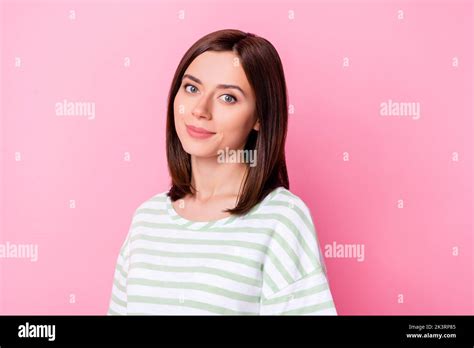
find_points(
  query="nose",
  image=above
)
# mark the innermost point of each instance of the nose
(201, 109)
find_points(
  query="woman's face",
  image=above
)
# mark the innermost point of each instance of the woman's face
(215, 96)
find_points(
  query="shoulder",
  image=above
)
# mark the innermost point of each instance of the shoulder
(290, 218)
(293, 249)
(156, 201)
(285, 195)
(288, 208)
(151, 210)
(293, 221)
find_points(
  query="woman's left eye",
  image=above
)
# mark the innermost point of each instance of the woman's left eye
(229, 98)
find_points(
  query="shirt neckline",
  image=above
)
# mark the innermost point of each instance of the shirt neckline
(176, 218)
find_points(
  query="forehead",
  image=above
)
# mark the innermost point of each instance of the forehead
(214, 68)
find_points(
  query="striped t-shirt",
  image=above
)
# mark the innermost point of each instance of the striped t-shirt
(267, 262)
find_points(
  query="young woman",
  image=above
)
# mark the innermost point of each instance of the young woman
(228, 237)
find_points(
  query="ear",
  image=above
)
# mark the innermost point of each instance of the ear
(257, 126)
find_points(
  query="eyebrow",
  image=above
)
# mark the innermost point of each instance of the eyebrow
(221, 86)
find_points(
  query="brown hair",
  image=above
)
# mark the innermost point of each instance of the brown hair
(264, 71)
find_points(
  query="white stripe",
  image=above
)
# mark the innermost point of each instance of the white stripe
(159, 309)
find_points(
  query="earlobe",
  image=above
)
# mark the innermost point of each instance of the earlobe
(257, 126)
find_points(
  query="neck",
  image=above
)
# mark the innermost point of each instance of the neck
(213, 179)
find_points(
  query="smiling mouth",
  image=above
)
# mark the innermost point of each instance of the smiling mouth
(199, 133)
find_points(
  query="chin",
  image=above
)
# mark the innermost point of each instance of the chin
(199, 150)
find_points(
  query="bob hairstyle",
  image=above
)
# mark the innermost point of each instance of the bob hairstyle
(264, 71)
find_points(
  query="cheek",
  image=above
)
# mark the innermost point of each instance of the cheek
(178, 105)
(235, 125)
(237, 120)
(178, 108)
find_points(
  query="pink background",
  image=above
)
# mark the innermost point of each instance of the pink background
(408, 251)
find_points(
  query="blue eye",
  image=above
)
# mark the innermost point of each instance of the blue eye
(188, 85)
(231, 97)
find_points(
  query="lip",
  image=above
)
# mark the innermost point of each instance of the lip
(197, 132)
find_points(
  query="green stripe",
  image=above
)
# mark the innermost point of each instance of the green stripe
(268, 280)
(231, 258)
(209, 225)
(217, 229)
(187, 224)
(119, 301)
(267, 199)
(119, 268)
(152, 211)
(195, 286)
(161, 197)
(231, 219)
(119, 286)
(186, 303)
(207, 270)
(235, 243)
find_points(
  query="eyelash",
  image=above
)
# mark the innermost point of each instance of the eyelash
(230, 95)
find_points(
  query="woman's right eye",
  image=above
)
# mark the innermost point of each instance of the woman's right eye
(190, 90)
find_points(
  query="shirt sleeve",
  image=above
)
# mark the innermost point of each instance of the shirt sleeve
(294, 274)
(118, 297)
